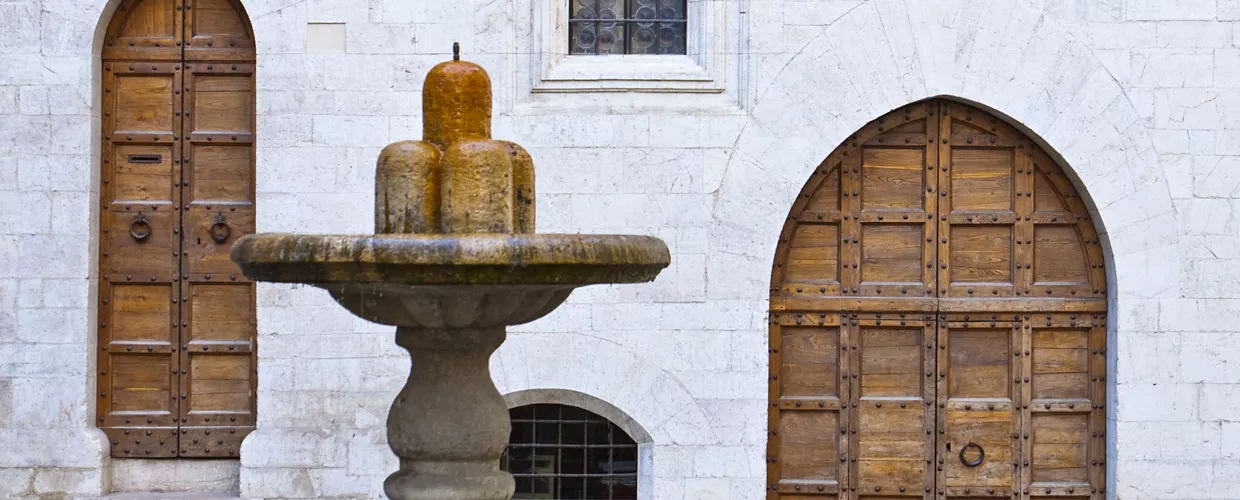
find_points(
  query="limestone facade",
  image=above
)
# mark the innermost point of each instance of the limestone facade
(1140, 98)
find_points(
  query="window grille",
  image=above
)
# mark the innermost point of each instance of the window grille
(561, 452)
(627, 27)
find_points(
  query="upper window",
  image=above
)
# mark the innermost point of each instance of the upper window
(627, 27)
(566, 453)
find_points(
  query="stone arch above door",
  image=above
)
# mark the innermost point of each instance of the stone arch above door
(938, 283)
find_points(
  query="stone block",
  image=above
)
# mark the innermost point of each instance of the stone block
(68, 481)
(9, 100)
(1157, 10)
(33, 100)
(1172, 67)
(71, 213)
(47, 402)
(142, 476)
(1187, 108)
(1122, 35)
(1210, 358)
(1148, 357)
(1220, 402)
(355, 131)
(20, 21)
(66, 293)
(260, 482)
(25, 212)
(1176, 402)
(1193, 34)
(325, 38)
(712, 488)
(721, 462)
(52, 326)
(16, 482)
(291, 448)
(1162, 479)
(1231, 440)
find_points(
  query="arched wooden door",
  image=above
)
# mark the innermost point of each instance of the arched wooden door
(176, 317)
(938, 320)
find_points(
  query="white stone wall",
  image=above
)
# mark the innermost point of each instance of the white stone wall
(1140, 97)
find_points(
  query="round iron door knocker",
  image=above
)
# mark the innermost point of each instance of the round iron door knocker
(140, 228)
(220, 231)
(981, 455)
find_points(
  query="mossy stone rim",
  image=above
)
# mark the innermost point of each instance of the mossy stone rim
(436, 259)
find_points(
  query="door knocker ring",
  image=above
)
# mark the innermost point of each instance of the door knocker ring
(981, 455)
(220, 231)
(140, 228)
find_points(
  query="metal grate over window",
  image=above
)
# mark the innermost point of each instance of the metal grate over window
(627, 26)
(564, 453)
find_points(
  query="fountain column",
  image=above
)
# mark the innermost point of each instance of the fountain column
(440, 459)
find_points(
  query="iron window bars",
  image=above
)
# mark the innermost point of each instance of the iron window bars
(602, 27)
(566, 453)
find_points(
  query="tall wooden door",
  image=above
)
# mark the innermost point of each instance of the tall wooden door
(938, 318)
(176, 317)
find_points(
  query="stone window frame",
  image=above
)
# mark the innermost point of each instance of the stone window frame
(702, 70)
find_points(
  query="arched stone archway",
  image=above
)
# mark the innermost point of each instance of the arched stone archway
(1020, 65)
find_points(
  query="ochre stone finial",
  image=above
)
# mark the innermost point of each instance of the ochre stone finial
(456, 180)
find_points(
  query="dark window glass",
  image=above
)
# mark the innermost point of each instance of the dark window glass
(560, 452)
(627, 27)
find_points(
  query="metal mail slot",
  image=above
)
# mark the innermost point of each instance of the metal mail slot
(146, 158)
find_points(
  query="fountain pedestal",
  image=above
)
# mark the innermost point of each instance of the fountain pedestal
(445, 459)
(454, 263)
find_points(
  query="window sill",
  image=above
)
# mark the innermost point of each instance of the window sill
(627, 73)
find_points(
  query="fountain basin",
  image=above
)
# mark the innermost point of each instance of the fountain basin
(451, 281)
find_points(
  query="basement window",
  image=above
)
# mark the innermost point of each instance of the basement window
(566, 453)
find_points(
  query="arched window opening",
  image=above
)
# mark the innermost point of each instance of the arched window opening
(562, 452)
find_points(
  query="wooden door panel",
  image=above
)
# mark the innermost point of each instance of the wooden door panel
(145, 103)
(938, 207)
(223, 102)
(979, 410)
(144, 30)
(893, 178)
(1055, 259)
(1066, 428)
(809, 388)
(982, 180)
(893, 411)
(979, 366)
(218, 30)
(205, 255)
(221, 313)
(981, 255)
(137, 383)
(130, 256)
(143, 173)
(226, 174)
(892, 254)
(814, 255)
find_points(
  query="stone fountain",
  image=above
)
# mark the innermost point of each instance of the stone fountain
(455, 261)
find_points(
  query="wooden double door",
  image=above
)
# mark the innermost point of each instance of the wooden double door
(176, 359)
(938, 320)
